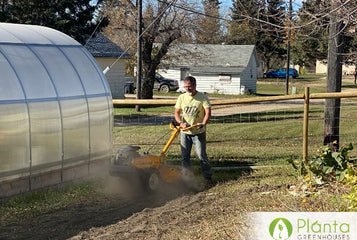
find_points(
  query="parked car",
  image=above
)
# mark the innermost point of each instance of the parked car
(165, 85)
(161, 84)
(281, 73)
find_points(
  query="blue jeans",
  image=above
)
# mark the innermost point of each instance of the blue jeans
(199, 142)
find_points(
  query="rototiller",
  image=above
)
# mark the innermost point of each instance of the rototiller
(150, 169)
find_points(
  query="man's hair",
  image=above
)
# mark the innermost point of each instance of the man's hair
(190, 79)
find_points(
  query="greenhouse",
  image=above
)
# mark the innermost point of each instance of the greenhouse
(56, 112)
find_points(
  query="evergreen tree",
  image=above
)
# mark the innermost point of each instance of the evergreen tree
(311, 40)
(3, 10)
(261, 23)
(209, 26)
(241, 29)
(73, 17)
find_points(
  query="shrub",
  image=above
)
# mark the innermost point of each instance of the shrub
(329, 165)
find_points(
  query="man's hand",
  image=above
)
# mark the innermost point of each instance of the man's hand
(200, 125)
(183, 125)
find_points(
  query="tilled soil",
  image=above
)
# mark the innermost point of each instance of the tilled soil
(175, 212)
(113, 213)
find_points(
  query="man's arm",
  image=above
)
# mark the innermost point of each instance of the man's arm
(207, 116)
(178, 114)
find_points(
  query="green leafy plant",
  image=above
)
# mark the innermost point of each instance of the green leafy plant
(299, 167)
(330, 165)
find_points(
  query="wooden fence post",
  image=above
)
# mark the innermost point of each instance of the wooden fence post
(305, 136)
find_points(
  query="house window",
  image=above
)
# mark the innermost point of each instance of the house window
(225, 78)
(184, 72)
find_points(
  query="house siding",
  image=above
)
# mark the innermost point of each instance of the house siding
(249, 76)
(106, 53)
(237, 61)
(321, 68)
(170, 73)
(207, 83)
(211, 84)
(116, 76)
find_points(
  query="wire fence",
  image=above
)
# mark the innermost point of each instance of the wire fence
(269, 126)
(232, 117)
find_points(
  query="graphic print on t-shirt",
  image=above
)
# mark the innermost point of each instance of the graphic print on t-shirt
(191, 111)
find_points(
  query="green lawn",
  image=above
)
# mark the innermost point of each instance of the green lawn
(252, 137)
(276, 86)
(277, 136)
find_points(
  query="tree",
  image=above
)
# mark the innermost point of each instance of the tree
(122, 23)
(312, 31)
(270, 41)
(241, 30)
(209, 26)
(163, 26)
(321, 24)
(163, 23)
(334, 81)
(329, 24)
(311, 38)
(3, 10)
(261, 23)
(73, 17)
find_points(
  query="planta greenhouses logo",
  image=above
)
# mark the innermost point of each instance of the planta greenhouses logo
(280, 229)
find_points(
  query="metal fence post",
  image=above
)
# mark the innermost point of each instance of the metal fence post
(306, 124)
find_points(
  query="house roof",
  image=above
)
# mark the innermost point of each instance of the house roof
(211, 58)
(101, 46)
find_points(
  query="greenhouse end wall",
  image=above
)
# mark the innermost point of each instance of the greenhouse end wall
(56, 112)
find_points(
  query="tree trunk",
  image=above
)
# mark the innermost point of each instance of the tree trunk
(147, 89)
(334, 79)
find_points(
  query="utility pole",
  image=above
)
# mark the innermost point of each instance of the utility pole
(139, 51)
(288, 49)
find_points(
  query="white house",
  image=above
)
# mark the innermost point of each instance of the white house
(226, 69)
(321, 67)
(108, 53)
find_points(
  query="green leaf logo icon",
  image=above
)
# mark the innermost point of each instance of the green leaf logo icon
(280, 229)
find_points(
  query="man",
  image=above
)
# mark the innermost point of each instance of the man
(193, 107)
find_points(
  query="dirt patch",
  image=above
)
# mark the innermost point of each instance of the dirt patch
(155, 223)
(176, 212)
(118, 201)
(218, 212)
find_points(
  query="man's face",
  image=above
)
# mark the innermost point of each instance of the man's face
(190, 87)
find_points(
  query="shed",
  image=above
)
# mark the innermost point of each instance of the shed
(56, 113)
(107, 53)
(226, 69)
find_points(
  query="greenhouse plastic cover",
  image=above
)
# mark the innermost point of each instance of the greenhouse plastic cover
(55, 103)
